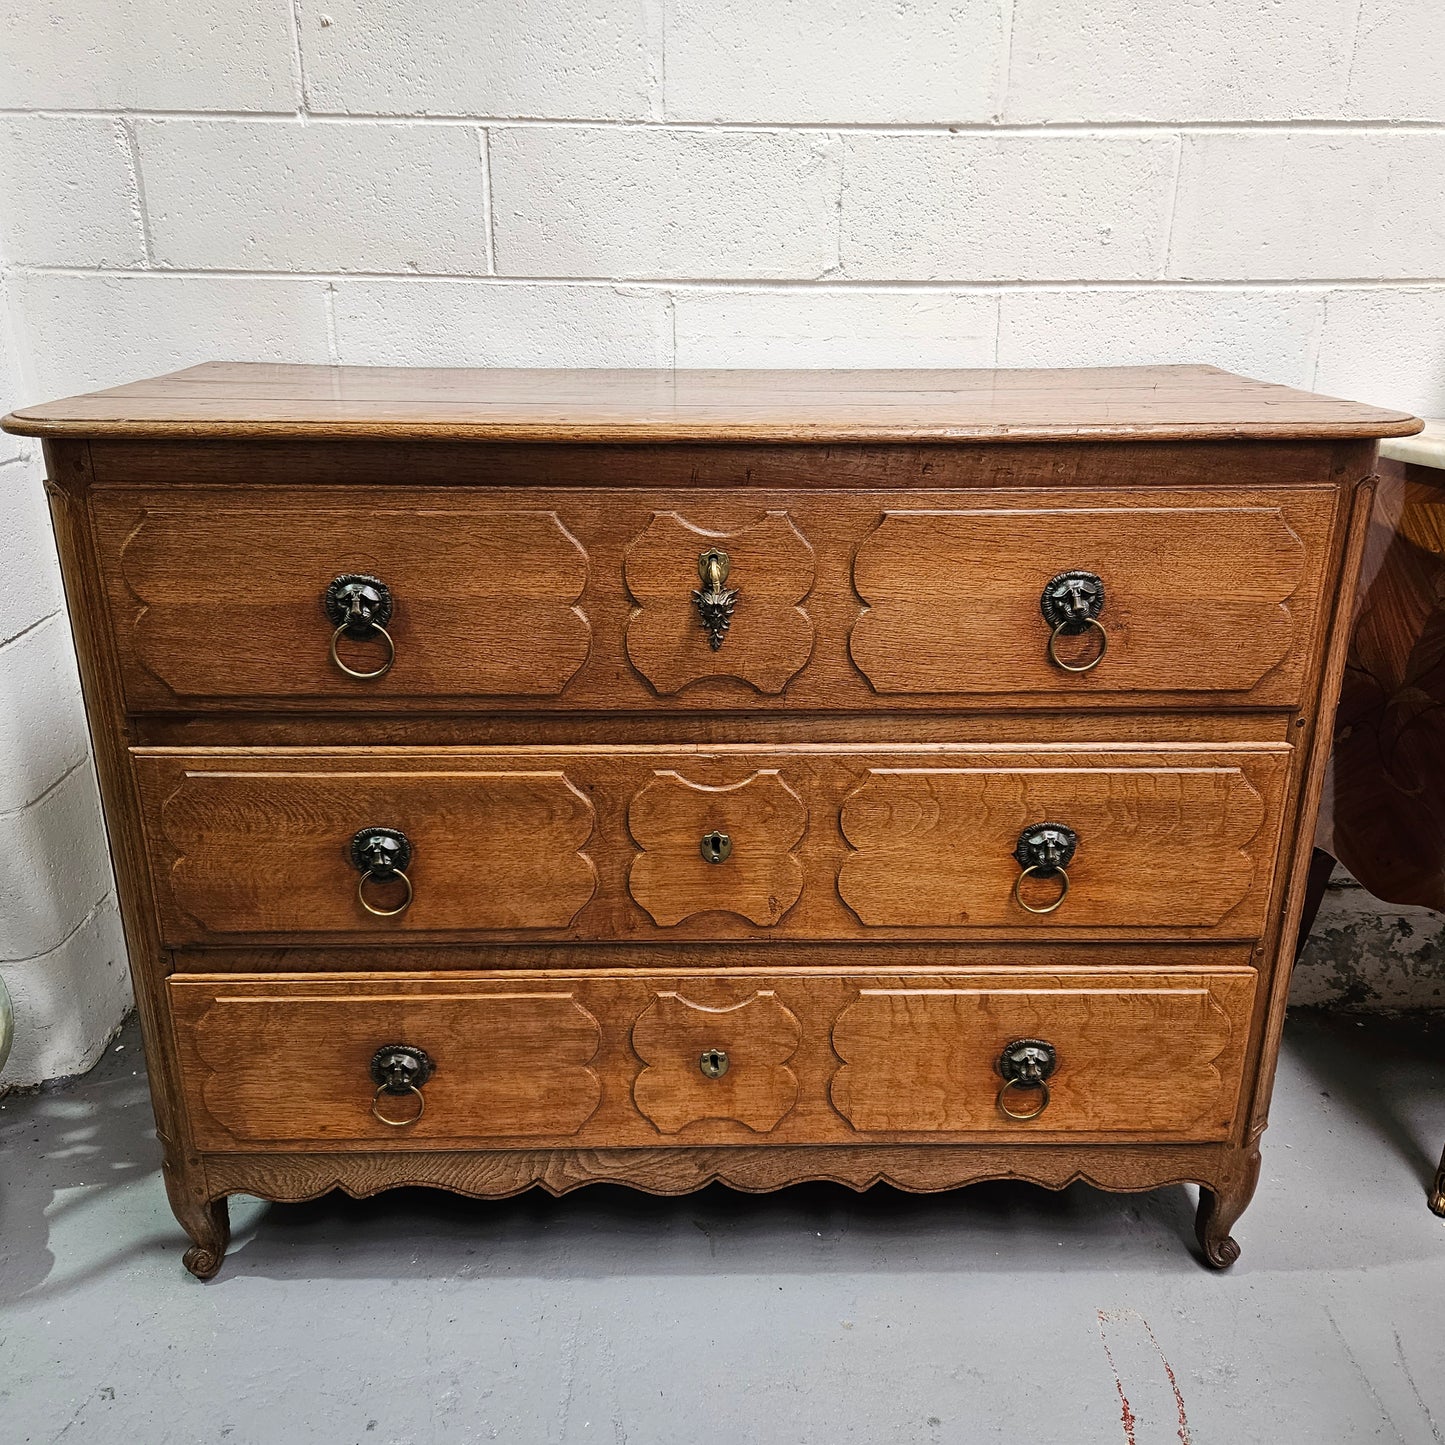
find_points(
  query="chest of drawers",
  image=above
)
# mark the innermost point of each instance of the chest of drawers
(526, 778)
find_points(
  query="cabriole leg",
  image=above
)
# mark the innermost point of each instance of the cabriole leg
(209, 1224)
(207, 1221)
(1220, 1205)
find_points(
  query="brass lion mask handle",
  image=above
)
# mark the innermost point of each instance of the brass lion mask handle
(714, 601)
(381, 856)
(1026, 1066)
(359, 607)
(399, 1071)
(1045, 850)
(1071, 603)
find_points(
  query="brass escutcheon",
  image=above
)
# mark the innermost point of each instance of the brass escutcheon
(713, 601)
(715, 847)
(714, 1063)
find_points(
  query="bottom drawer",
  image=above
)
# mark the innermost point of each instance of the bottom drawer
(639, 1058)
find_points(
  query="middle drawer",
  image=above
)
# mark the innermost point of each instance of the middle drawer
(809, 841)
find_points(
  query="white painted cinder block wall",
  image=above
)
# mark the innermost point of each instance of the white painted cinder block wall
(658, 183)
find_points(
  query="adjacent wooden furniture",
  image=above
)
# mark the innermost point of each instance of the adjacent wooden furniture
(1384, 815)
(541, 777)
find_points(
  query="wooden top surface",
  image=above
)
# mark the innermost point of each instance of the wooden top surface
(1164, 403)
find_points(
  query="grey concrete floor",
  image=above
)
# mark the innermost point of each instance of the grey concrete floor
(1002, 1312)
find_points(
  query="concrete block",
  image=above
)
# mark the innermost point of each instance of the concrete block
(148, 55)
(1113, 60)
(68, 1002)
(42, 721)
(69, 193)
(103, 330)
(870, 61)
(573, 201)
(969, 207)
(30, 574)
(268, 195)
(1266, 334)
(1398, 71)
(1278, 206)
(488, 323)
(57, 866)
(1383, 345)
(569, 59)
(11, 447)
(835, 328)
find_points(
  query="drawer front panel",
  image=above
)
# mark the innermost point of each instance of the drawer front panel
(652, 844)
(1194, 599)
(231, 600)
(824, 601)
(639, 1058)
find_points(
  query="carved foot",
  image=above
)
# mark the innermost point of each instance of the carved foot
(1212, 1225)
(1219, 1209)
(210, 1226)
(1437, 1190)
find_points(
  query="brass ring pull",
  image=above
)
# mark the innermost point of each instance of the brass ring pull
(1008, 1084)
(381, 671)
(1035, 868)
(406, 1089)
(384, 878)
(1026, 1064)
(1094, 661)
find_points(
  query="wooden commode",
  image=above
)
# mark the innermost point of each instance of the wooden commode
(545, 777)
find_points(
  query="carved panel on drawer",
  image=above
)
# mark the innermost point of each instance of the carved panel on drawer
(759, 879)
(1158, 846)
(747, 1045)
(264, 851)
(771, 635)
(277, 1068)
(1195, 599)
(1165, 1058)
(231, 600)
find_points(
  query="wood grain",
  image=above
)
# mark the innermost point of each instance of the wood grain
(489, 633)
(245, 1082)
(771, 636)
(759, 1036)
(1166, 1058)
(278, 1067)
(1176, 846)
(186, 514)
(830, 841)
(221, 399)
(227, 600)
(270, 852)
(756, 1169)
(1384, 821)
(1194, 599)
(760, 880)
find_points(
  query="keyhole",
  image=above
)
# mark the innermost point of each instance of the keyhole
(714, 1063)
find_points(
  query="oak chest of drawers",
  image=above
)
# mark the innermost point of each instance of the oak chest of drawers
(536, 778)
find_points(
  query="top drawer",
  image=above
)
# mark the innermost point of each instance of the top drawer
(831, 601)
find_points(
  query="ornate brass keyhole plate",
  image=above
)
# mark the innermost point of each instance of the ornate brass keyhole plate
(715, 847)
(714, 1063)
(713, 601)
